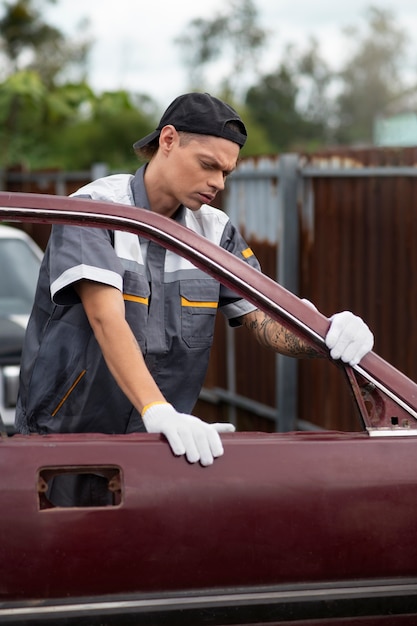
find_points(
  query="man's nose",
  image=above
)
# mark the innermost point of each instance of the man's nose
(217, 181)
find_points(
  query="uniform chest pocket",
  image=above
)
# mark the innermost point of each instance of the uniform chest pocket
(199, 304)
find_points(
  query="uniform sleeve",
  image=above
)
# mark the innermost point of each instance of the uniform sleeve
(78, 253)
(230, 304)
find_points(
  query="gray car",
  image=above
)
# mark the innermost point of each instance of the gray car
(20, 259)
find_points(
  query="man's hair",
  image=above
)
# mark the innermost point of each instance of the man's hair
(148, 151)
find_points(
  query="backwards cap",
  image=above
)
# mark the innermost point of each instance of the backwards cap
(199, 113)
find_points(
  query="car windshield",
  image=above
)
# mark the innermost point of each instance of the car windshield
(18, 276)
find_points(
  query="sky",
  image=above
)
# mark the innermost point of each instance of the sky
(134, 45)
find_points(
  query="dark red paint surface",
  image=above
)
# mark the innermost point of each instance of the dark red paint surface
(280, 508)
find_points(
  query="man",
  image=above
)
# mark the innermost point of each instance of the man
(121, 330)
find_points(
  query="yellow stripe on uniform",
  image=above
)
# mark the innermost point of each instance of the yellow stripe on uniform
(247, 253)
(128, 296)
(199, 303)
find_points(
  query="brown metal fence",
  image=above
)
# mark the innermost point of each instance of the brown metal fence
(357, 218)
(360, 253)
(354, 247)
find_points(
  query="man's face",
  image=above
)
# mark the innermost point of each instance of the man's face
(197, 168)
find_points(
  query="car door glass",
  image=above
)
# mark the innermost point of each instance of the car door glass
(18, 277)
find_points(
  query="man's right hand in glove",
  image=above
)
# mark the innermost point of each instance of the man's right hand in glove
(186, 434)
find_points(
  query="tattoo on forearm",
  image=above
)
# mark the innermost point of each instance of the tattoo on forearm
(272, 334)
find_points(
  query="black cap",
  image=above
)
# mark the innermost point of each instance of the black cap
(202, 114)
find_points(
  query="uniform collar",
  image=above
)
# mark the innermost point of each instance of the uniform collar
(140, 196)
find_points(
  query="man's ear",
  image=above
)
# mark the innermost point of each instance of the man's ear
(168, 137)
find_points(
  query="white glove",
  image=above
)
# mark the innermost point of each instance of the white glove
(186, 434)
(348, 338)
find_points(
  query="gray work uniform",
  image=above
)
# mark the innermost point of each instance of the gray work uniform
(170, 307)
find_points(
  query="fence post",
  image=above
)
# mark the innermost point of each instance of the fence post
(99, 170)
(287, 275)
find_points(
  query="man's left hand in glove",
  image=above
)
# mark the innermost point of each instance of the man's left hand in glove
(348, 338)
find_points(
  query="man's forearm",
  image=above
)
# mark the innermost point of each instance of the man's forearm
(272, 334)
(104, 307)
(125, 361)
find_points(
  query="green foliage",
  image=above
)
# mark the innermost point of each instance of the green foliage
(31, 114)
(105, 135)
(291, 111)
(22, 98)
(68, 126)
(48, 123)
(272, 104)
(48, 120)
(29, 43)
(258, 142)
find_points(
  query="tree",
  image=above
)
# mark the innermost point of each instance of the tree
(372, 76)
(105, 132)
(46, 121)
(292, 103)
(234, 35)
(27, 42)
(33, 101)
(22, 98)
(314, 100)
(32, 116)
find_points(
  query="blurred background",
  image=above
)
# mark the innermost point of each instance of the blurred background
(80, 81)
